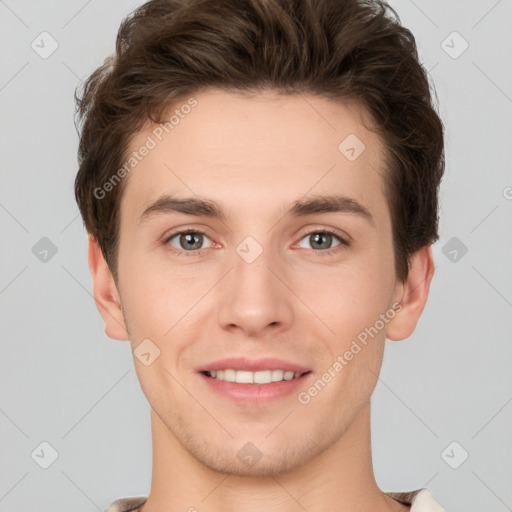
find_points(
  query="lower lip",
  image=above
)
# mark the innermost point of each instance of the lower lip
(255, 393)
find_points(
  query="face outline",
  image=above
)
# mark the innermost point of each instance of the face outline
(292, 302)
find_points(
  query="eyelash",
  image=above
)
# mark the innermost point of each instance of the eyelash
(320, 252)
(326, 231)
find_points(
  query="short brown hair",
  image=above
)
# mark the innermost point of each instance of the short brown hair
(346, 50)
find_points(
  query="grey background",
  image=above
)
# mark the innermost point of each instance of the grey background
(65, 383)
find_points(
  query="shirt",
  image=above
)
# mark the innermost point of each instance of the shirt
(420, 500)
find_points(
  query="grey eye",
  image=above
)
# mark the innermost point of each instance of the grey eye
(320, 241)
(191, 241)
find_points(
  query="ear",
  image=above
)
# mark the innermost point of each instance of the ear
(412, 294)
(106, 295)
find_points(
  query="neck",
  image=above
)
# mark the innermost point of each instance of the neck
(340, 478)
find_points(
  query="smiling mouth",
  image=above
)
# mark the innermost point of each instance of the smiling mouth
(248, 377)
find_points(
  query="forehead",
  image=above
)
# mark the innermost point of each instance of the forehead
(237, 148)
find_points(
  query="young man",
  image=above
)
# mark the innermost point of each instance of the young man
(259, 182)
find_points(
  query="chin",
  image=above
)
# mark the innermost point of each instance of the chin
(258, 459)
(265, 467)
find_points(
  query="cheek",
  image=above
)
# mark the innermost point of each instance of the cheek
(348, 298)
(151, 290)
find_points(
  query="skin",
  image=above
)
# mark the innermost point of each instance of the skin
(255, 156)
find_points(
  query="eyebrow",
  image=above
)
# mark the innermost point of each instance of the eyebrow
(301, 207)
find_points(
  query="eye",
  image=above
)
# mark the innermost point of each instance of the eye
(188, 240)
(191, 241)
(322, 240)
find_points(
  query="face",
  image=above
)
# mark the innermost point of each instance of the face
(286, 261)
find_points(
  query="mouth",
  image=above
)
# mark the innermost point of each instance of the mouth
(254, 382)
(249, 377)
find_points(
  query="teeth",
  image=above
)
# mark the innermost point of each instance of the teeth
(243, 377)
(230, 375)
(247, 377)
(277, 375)
(263, 377)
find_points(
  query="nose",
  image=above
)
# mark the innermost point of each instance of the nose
(254, 299)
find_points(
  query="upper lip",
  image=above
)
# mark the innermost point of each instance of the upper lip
(253, 365)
